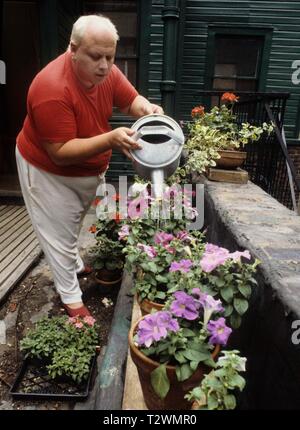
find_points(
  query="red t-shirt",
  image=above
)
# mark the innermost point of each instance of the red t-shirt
(59, 109)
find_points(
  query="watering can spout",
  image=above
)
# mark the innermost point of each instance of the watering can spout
(157, 179)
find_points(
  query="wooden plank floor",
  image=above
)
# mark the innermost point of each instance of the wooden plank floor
(19, 247)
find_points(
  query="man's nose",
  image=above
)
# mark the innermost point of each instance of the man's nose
(103, 64)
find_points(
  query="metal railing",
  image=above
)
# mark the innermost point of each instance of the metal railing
(268, 162)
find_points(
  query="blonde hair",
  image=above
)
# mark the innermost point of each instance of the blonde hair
(81, 25)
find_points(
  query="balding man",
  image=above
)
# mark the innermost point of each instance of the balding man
(65, 145)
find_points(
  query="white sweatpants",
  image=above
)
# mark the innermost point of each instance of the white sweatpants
(56, 206)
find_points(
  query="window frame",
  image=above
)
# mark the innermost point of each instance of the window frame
(231, 30)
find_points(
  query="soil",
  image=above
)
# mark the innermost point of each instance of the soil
(32, 299)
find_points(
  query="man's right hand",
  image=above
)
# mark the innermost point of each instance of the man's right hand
(121, 139)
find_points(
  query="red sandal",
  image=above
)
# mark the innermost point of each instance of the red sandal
(78, 312)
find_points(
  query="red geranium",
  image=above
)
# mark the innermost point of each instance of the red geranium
(229, 98)
(197, 111)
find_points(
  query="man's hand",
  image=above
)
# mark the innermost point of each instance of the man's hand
(141, 107)
(120, 139)
(150, 108)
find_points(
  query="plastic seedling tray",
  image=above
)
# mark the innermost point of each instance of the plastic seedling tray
(33, 383)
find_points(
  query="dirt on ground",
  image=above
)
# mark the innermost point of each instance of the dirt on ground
(34, 298)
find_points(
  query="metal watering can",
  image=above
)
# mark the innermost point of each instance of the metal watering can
(162, 140)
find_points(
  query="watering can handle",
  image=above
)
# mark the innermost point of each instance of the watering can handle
(159, 129)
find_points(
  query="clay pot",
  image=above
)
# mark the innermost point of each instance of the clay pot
(175, 398)
(107, 277)
(231, 159)
(147, 306)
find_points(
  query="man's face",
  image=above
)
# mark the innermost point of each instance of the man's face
(94, 58)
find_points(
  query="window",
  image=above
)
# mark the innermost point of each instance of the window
(123, 14)
(237, 58)
(237, 62)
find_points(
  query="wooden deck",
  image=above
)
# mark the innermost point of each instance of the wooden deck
(19, 247)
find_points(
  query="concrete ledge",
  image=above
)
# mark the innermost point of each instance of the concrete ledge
(271, 232)
(245, 217)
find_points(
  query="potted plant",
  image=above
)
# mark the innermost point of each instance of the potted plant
(65, 345)
(107, 260)
(173, 348)
(217, 390)
(154, 264)
(107, 256)
(225, 275)
(215, 137)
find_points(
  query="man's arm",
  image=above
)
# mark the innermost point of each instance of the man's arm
(77, 150)
(140, 107)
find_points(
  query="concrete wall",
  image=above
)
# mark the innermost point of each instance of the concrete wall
(245, 217)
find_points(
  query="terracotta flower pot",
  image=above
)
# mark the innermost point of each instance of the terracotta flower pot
(175, 398)
(231, 159)
(147, 306)
(107, 277)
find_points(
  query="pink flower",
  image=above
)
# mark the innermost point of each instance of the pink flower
(209, 262)
(124, 232)
(182, 266)
(149, 250)
(89, 321)
(78, 325)
(213, 257)
(163, 238)
(236, 256)
(138, 207)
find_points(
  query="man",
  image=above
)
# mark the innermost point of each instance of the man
(65, 145)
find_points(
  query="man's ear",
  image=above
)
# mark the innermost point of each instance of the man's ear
(73, 47)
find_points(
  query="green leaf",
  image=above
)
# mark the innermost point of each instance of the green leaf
(160, 295)
(194, 365)
(228, 310)
(227, 294)
(161, 279)
(237, 381)
(235, 320)
(240, 305)
(229, 401)
(183, 372)
(245, 290)
(188, 333)
(212, 402)
(152, 267)
(180, 357)
(220, 282)
(194, 355)
(160, 381)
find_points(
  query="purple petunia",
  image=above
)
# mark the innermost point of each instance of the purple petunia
(156, 326)
(236, 256)
(163, 238)
(213, 257)
(149, 250)
(219, 332)
(124, 232)
(184, 306)
(183, 236)
(182, 266)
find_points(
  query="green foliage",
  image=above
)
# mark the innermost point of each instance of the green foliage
(214, 131)
(217, 389)
(153, 280)
(67, 347)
